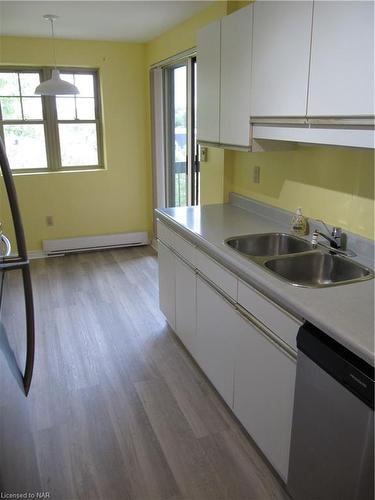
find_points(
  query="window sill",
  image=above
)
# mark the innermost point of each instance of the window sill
(19, 173)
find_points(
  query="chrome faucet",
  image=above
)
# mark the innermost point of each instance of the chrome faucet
(335, 237)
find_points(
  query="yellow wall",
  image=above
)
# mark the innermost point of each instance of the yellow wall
(183, 36)
(334, 184)
(98, 202)
(212, 177)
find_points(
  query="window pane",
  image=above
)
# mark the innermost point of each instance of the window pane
(85, 108)
(178, 144)
(66, 109)
(25, 145)
(29, 81)
(85, 84)
(11, 108)
(9, 84)
(32, 108)
(78, 144)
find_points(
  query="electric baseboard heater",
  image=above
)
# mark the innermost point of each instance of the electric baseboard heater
(91, 243)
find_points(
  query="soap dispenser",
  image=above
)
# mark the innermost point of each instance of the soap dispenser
(299, 223)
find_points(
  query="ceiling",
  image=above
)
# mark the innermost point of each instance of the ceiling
(130, 21)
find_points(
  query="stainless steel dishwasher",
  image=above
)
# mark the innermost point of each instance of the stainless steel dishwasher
(332, 443)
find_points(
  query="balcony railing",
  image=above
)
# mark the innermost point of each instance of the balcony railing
(180, 180)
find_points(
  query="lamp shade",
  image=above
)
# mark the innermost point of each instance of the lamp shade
(56, 86)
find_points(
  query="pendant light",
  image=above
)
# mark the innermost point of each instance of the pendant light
(55, 86)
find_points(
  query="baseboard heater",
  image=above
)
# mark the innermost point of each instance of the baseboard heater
(101, 242)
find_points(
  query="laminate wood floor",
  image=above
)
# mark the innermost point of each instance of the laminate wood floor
(117, 409)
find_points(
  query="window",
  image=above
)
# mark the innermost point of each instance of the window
(50, 133)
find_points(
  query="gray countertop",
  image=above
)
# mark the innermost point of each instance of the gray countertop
(344, 312)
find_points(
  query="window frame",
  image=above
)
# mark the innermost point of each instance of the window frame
(51, 122)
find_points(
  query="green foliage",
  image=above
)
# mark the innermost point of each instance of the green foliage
(180, 117)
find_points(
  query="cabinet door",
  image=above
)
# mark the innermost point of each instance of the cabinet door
(342, 59)
(215, 342)
(264, 394)
(186, 305)
(167, 284)
(208, 82)
(235, 77)
(281, 52)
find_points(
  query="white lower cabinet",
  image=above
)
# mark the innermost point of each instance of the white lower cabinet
(167, 283)
(186, 305)
(251, 367)
(264, 393)
(217, 321)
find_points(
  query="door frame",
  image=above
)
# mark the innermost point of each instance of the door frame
(192, 165)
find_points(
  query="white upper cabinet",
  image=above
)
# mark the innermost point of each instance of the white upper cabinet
(342, 59)
(235, 77)
(208, 82)
(281, 50)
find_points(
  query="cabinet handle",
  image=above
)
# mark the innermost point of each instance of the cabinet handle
(220, 292)
(267, 333)
(182, 259)
(292, 316)
(263, 329)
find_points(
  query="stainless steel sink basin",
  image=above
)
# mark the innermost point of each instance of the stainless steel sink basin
(318, 269)
(268, 244)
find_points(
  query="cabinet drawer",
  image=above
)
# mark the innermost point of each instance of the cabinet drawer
(165, 234)
(185, 249)
(217, 274)
(283, 324)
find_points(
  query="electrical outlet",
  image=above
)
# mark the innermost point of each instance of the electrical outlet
(256, 175)
(49, 220)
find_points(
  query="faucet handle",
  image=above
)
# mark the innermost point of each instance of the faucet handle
(338, 236)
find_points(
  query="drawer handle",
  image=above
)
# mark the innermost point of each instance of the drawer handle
(216, 289)
(179, 256)
(267, 333)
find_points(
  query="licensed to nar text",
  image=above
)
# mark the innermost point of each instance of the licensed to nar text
(27, 495)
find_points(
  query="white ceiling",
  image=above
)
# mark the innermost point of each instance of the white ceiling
(122, 20)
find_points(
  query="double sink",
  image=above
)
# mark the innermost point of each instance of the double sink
(295, 260)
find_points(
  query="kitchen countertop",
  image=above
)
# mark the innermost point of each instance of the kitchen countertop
(344, 312)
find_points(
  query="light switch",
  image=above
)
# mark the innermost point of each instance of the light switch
(203, 153)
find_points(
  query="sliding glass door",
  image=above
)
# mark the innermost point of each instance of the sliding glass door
(182, 169)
